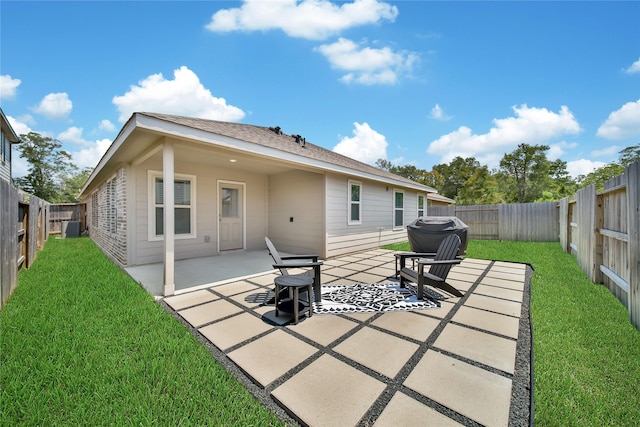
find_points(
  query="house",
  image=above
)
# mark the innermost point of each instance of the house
(234, 184)
(9, 137)
(435, 199)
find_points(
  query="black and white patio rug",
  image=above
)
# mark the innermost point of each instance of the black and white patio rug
(362, 298)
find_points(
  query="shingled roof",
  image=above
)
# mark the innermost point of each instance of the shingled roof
(273, 137)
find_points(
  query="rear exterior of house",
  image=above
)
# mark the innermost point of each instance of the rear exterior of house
(234, 184)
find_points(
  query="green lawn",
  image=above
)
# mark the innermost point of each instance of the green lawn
(83, 344)
(586, 353)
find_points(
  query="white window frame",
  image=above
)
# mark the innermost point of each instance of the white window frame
(395, 209)
(424, 205)
(350, 203)
(151, 209)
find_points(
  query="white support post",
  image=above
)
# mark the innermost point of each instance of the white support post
(168, 178)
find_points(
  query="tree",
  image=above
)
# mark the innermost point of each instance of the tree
(627, 156)
(525, 171)
(455, 175)
(480, 189)
(71, 186)
(49, 166)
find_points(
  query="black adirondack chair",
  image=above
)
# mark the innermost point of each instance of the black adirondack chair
(440, 265)
(310, 262)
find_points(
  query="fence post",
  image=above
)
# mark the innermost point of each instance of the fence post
(633, 246)
(597, 238)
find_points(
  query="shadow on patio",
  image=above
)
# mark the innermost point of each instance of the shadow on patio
(466, 362)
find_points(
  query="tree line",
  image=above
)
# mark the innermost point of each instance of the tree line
(524, 175)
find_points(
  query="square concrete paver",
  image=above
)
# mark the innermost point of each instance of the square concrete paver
(402, 410)
(209, 312)
(367, 278)
(234, 288)
(190, 299)
(329, 393)
(253, 298)
(479, 346)
(492, 322)
(268, 358)
(499, 292)
(384, 353)
(509, 284)
(483, 396)
(506, 275)
(510, 308)
(234, 330)
(407, 323)
(324, 329)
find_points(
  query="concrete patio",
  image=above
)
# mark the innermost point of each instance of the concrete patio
(465, 363)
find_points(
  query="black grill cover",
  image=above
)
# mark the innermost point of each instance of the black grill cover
(425, 234)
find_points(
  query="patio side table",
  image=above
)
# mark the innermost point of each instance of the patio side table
(293, 303)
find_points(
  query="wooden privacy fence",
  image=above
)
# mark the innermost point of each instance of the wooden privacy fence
(24, 227)
(65, 212)
(529, 222)
(602, 230)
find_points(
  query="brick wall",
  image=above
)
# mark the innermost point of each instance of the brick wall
(108, 216)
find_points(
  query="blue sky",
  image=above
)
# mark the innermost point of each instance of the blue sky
(413, 82)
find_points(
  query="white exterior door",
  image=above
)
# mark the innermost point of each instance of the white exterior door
(231, 216)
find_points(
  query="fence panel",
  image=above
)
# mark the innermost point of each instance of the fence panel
(529, 222)
(60, 213)
(23, 230)
(564, 231)
(536, 222)
(604, 236)
(9, 248)
(633, 247)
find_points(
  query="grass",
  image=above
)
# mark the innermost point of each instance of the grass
(586, 353)
(83, 344)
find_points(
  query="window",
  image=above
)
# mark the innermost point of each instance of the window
(355, 203)
(398, 209)
(420, 205)
(184, 206)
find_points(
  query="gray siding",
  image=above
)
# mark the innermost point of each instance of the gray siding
(377, 216)
(298, 195)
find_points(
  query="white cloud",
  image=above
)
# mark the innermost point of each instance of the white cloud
(90, 156)
(91, 151)
(8, 86)
(557, 150)
(106, 125)
(366, 145)
(365, 65)
(55, 106)
(21, 126)
(634, 68)
(73, 135)
(582, 167)
(606, 152)
(530, 126)
(437, 113)
(184, 95)
(309, 19)
(623, 123)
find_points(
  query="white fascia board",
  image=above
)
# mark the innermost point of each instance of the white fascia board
(181, 131)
